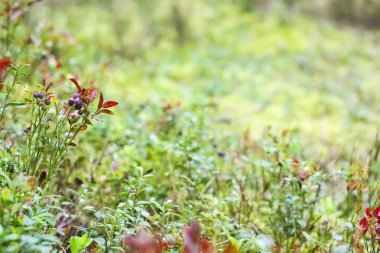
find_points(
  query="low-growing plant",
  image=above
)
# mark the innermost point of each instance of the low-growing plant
(55, 126)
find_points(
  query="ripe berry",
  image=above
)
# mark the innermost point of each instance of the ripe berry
(47, 101)
(221, 154)
(78, 106)
(77, 100)
(41, 95)
(80, 112)
(26, 130)
(71, 101)
(36, 94)
(77, 95)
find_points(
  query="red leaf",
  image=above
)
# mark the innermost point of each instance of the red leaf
(143, 243)
(106, 111)
(192, 234)
(49, 86)
(5, 63)
(363, 225)
(101, 101)
(110, 104)
(74, 81)
(367, 213)
(376, 212)
(206, 246)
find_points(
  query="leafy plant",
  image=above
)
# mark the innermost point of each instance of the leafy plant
(79, 244)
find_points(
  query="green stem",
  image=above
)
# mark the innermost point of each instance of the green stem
(4, 102)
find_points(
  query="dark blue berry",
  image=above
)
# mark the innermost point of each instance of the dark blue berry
(71, 101)
(221, 154)
(78, 106)
(41, 95)
(80, 112)
(36, 94)
(77, 95)
(47, 101)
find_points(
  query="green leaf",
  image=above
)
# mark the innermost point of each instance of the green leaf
(50, 238)
(75, 244)
(5, 195)
(101, 242)
(78, 244)
(308, 237)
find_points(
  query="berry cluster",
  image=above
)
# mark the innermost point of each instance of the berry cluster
(40, 95)
(76, 100)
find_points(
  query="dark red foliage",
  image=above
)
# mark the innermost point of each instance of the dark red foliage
(4, 64)
(145, 243)
(103, 105)
(106, 111)
(376, 212)
(109, 104)
(370, 222)
(75, 82)
(363, 225)
(193, 241)
(367, 213)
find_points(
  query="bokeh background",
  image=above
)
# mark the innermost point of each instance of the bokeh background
(309, 66)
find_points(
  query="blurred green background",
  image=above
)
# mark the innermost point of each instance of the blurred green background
(311, 66)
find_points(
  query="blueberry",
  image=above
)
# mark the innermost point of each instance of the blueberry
(221, 154)
(41, 95)
(71, 101)
(47, 101)
(77, 100)
(78, 106)
(36, 94)
(77, 95)
(80, 112)
(26, 130)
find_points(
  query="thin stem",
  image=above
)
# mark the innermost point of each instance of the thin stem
(5, 101)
